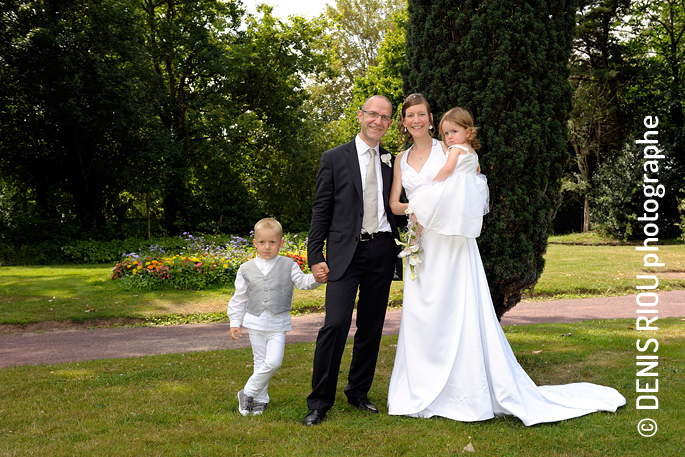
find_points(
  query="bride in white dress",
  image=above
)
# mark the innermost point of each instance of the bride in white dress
(453, 359)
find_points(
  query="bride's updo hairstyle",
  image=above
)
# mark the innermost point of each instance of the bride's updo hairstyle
(459, 116)
(412, 100)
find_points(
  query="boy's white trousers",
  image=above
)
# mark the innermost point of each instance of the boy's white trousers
(267, 348)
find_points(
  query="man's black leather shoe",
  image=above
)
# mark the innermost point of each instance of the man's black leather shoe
(363, 404)
(313, 417)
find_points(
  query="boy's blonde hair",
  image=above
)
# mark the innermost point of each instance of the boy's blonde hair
(459, 116)
(268, 223)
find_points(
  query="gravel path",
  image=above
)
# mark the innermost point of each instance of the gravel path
(108, 343)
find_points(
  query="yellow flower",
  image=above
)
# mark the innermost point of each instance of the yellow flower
(225, 265)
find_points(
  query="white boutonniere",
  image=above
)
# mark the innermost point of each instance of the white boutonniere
(385, 158)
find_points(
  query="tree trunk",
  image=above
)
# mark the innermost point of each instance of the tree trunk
(147, 212)
(586, 214)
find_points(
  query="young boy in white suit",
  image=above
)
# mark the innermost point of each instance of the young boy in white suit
(262, 302)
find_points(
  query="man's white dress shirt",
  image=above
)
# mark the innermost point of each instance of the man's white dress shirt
(362, 147)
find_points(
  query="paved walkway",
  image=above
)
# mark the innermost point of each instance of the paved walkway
(78, 345)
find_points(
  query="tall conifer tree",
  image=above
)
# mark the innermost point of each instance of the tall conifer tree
(507, 62)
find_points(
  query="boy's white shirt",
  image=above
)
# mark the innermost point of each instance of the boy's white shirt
(237, 306)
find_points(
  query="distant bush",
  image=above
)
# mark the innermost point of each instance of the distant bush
(616, 199)
(45, 253)
(56, 252)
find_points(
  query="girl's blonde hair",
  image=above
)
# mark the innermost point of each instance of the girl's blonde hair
(459, 116)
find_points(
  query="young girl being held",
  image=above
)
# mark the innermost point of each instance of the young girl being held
(459, 197)
(459, 133)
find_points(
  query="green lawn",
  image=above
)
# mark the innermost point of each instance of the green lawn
(582, 270)
(85, 292)
(184, 404)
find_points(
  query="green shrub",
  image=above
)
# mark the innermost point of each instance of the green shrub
(616, 198)
(45, 253)
(507, 63)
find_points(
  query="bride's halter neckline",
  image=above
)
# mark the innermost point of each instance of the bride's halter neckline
(424, 152)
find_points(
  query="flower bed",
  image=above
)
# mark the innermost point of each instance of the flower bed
(202, 265)
(177, 272)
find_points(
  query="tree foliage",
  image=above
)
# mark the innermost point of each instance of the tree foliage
(597, 122)
(660, 90)
(506, 62)
(280, 150)
(70, 116)
(191, 107)
(650, 84)
(385, 79)
(188, 45)
(591, 127)
(201, 117)
(357, 31)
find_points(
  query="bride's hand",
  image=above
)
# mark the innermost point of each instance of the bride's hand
(414, 222)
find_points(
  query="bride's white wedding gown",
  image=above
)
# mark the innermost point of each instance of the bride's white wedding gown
(453, 359)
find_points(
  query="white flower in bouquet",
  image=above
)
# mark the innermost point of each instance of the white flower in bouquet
(412, 246)
(408, 250)
(385, 158)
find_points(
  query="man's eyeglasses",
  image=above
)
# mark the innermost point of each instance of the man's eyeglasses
(375, 115)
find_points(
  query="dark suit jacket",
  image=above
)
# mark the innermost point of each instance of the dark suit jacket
(338, 209)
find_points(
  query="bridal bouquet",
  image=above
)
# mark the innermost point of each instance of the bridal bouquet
(412, 245)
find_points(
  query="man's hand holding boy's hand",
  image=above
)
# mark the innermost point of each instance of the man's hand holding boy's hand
(320, 272)
(321, 278)
(235, 333)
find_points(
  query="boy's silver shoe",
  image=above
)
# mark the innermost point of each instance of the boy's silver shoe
(245, 403)
(259, 408)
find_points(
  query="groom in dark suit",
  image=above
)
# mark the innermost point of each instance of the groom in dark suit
(351, 213)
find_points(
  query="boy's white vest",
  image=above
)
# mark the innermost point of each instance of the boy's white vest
(273, 291)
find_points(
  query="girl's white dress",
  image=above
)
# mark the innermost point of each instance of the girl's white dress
(453, 359)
